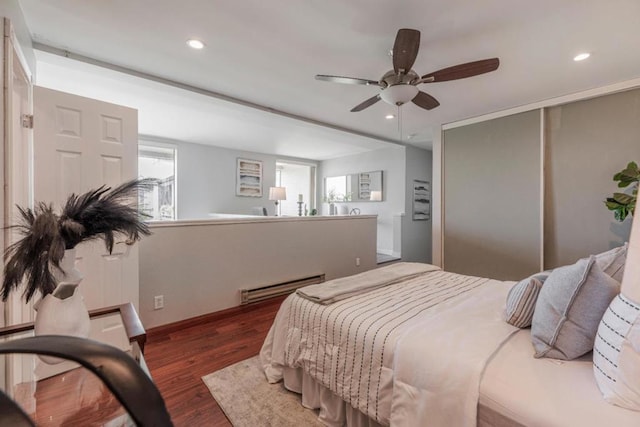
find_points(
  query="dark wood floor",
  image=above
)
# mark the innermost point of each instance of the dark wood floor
(179, 355)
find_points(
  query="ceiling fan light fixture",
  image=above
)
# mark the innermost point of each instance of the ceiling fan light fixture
(195, 44)
(399, 94)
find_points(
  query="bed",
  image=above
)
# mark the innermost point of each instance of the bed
(410, 344)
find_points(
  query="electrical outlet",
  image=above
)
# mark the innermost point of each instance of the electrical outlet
(158, 302)
(357, 262)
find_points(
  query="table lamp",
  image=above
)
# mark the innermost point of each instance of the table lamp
(276, 194)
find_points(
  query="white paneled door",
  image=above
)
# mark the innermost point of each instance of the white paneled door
(81, 144)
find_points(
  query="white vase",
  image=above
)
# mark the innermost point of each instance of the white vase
(68, 273)
(63, 311)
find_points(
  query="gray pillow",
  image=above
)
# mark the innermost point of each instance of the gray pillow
(521, 300)
(569, 308)
(612, 261)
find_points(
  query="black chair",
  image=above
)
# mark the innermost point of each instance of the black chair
(119, 371)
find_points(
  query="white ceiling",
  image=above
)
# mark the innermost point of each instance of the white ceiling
(267, 53)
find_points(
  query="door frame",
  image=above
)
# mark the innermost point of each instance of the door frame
(14, 310)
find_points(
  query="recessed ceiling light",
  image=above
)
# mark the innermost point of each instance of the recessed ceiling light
(389, 116)
(581, 56)
(195, 44)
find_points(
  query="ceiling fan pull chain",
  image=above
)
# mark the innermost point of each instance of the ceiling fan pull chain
(400, 122)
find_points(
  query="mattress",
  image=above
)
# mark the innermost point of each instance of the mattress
(547, 392)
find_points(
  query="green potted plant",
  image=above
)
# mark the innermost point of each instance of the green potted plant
(624, 204)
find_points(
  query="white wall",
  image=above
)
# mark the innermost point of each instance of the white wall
(392, 162)
(416, 235)
(206, 180)
(296, 179)
(200, 268)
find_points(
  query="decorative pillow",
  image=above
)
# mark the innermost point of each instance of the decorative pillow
(616, 354)
(612, 261)
(569, 309)
(522, 298)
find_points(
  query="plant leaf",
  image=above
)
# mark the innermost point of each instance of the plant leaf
(623, 198)
(612, 204)
(628, 175)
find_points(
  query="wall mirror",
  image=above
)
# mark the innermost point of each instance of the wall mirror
(356, 187)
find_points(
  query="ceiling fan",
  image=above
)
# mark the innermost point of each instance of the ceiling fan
(399, 86)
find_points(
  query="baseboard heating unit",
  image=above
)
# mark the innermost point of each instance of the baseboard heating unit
(248, 296)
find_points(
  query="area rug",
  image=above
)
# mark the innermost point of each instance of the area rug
(247, 399)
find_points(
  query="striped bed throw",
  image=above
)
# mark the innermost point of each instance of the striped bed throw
(348, 346)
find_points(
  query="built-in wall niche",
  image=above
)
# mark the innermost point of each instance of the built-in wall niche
(356, 187)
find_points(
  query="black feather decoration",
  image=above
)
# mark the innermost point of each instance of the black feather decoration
(100, 213)
(30, 256)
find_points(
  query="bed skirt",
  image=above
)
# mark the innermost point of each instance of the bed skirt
(488, 417)
(334, 412)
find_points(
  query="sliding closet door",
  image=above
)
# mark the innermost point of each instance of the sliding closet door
(587, 142)
(492, 197)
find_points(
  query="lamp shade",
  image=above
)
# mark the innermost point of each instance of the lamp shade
(376, 196)
(399, 94)
(631, 279)
(277, 193)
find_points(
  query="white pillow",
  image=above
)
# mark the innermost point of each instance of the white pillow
(616, 354)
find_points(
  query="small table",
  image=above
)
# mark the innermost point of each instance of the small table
(75, 396)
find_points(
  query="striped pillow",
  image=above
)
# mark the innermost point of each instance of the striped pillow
(616, 354)
(521, 300)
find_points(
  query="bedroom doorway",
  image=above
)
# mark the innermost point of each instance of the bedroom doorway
(300, 181)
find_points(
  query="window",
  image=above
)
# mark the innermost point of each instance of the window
(158, 162)
(336, 188)
(299, 180)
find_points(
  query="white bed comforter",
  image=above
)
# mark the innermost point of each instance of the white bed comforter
(411, 353)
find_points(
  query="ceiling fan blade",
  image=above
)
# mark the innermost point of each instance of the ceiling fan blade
(405, 49)
(462, 71)
(347, 80)
(425, 101)
(368, 103)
